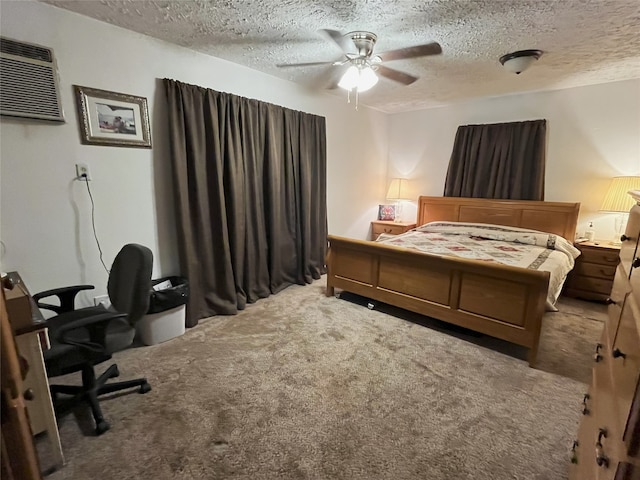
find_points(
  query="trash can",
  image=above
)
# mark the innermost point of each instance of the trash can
(165, 318)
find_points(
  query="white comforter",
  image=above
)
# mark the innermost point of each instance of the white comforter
(513, 246)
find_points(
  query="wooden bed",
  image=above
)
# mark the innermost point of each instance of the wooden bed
(498, 300)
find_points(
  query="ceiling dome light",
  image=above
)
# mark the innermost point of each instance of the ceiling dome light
(518, 62)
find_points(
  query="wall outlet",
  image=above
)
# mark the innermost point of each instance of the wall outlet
(82, 172)
(102, 300)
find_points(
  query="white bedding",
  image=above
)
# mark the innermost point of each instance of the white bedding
(513, 246)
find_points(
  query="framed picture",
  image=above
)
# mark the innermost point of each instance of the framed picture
(110, 118)
(386, 212)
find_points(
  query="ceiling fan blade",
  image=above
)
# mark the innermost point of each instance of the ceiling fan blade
(308, 64)
(411, 52)
(396, 75)
(345, 44)
(329, 78)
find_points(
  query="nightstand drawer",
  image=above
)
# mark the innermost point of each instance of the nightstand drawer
(391, 229)
(591, 284)
(598, 270)
(595, 255)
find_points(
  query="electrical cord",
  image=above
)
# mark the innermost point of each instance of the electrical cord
(93, 221)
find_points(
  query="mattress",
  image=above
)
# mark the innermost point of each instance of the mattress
(512, 246)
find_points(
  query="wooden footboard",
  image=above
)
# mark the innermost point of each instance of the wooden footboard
(498, 300)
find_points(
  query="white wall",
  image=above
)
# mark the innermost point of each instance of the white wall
(45, 214)
(593, 134)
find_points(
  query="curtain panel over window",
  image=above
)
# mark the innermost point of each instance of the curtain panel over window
(250, 186)
(502, 160)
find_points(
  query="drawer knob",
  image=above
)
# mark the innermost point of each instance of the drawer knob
(636, 262)
(28, 394)
(597, 357)
(601, 459)
(574, 455)
(617, 353)
(624, 238)
(585, 407)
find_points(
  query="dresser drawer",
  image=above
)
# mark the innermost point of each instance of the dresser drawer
(629, 248)
(625, 358)
(584, 452)
(619, 292)
(606, 424)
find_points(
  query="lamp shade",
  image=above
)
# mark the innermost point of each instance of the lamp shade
(398, 189)
(617, 198)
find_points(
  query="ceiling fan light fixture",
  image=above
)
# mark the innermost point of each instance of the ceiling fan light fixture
(368, 79)
(518, 62)
(350, 79)
(358, 77)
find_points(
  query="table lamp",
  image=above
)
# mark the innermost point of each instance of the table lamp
(617, 200)
(398, 192)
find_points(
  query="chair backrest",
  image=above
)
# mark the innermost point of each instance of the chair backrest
(129, 284)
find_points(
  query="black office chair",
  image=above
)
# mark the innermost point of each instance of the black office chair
(83, 338)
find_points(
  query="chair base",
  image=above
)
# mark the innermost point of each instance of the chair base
(91, 388)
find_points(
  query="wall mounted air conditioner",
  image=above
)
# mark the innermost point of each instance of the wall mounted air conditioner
(29, 81)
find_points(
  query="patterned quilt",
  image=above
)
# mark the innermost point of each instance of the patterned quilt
(513, 246)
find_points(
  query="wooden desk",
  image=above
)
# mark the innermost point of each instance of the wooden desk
(30, 339)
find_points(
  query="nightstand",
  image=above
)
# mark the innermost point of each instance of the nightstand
(392, 228)
(592, 277)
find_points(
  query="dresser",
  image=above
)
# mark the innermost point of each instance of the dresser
(379, 227)
(592, 277)
(608, 440)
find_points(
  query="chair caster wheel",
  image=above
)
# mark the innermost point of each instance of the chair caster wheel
(371, 306)
(144, 388)
(116, 373)
(102, 427)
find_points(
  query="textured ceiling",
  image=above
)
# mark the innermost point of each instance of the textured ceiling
(585, 41)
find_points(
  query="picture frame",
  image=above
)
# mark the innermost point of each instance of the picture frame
(386, 212)
(111, 118)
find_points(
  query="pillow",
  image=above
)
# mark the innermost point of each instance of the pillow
(386, 212)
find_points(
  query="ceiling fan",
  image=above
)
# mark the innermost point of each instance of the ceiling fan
(363, 63)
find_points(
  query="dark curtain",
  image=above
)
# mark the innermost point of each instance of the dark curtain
(250, 186)
(502, 160)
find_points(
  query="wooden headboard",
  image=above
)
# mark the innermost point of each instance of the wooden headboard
(560, 218)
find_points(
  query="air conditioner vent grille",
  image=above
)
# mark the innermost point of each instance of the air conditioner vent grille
(28, 82)
(26, 50)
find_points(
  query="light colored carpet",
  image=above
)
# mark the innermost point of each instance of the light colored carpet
(301, 386)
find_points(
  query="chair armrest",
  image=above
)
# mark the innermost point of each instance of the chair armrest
(67, 296)
(96, 325)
